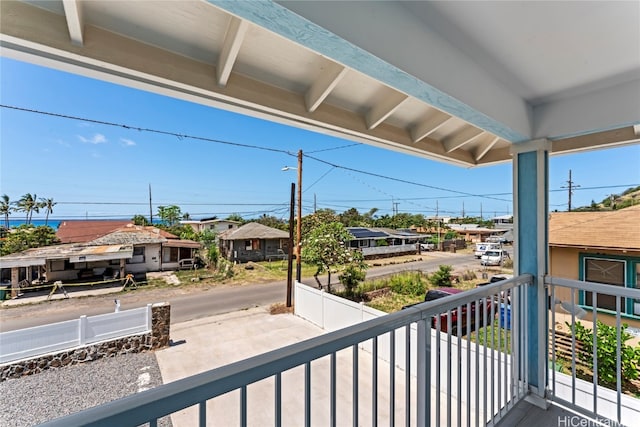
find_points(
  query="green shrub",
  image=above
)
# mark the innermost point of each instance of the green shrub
(351, 277)
(607, 341)
(442, 277)
(408, 284)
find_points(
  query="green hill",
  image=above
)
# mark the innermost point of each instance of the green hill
(629, 197)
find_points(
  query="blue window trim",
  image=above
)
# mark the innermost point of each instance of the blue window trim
(630, 280)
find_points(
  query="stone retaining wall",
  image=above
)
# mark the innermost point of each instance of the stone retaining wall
(157, 338)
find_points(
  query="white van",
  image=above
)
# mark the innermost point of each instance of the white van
(481, 248)
(493, 257)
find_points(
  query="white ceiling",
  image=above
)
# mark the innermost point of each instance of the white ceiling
(453, 81)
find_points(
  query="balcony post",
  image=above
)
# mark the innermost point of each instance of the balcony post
(530, 190)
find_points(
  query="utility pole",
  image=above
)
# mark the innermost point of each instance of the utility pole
(315, 205)
(290, 257)
(438, 221)
(299, 225)
(463, 209)
(481, 218)
(570, 188)
(150, 208)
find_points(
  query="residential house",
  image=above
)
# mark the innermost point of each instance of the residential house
(128, 249)
(380, 242)
(472, 232)
(254, 242)
(602, 247)
(214, 224)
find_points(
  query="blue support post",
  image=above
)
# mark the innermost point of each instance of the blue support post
(530, 180)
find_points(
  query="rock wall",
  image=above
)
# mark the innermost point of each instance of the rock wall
(157, 338)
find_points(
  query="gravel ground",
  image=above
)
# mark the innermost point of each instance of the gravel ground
(35, 399)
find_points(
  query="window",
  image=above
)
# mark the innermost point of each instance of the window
(606, 271)
(252, 245)
(169, 254)
(138, 255)
(611, 270)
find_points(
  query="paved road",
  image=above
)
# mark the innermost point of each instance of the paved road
(193, 303)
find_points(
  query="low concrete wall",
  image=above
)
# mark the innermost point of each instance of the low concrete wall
(157, 338)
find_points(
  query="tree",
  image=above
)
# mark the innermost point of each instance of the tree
(273, 222)
(27, 236)
(5, 209)
(236, 217)
(28, 204)
(140, 220)
(352, 218)
(169, 215)
(48, 205)
(326, 246)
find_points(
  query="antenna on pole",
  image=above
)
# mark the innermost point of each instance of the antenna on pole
(570, 188)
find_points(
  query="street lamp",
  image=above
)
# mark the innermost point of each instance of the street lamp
(299, 219)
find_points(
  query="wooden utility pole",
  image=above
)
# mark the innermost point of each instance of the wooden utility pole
(150, 208)
(290, 257)
(570, 188)
(299, 225)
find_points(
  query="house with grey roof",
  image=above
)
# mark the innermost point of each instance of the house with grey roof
(254, 242)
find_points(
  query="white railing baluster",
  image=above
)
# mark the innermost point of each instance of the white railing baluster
(449, 369)
(573, 348)
(202, 414)
(459, 365)
(374, 384)
(278, 397)
(468, 371)
(595, 352)
(438, 325)
(407, 375)
(423, 371)
(332, 407)
(477, 358)
(618, 362)
(392, 378)
(243, 406)
(355, 385)
(307, 394)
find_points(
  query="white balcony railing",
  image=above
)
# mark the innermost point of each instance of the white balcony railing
(576, 365)
(471, 379)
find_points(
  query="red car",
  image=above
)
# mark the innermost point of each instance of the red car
(434, 294)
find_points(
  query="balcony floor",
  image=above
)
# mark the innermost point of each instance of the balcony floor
(527, 414)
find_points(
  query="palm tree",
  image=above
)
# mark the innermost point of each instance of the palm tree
(28, 205)
(5, 209)
(47, 204)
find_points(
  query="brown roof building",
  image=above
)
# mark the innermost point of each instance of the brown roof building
(81, 231)
(597, 230)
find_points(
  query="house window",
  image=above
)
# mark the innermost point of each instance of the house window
(252, 245)
(615, 271)
(138, 255)
(606, 271)
(170, 255)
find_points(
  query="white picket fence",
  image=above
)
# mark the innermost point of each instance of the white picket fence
(40, 340)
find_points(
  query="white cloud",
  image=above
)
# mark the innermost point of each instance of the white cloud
(63, 143)
(98, 138)
(127, 142)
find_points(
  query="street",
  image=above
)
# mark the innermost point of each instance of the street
(193, 303)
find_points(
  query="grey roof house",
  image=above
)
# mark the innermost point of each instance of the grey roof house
(254, 242)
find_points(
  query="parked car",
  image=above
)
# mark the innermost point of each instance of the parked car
(427, 246)
(434, 294)
(494, 257)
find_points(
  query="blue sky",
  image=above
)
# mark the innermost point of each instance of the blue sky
(97, 171)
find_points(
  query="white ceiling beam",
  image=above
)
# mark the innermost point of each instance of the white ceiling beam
(75, 23)
(378, 113)
(485, 147)
(322, 87)
(466, 136)
(427, 127)
(230, 49)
